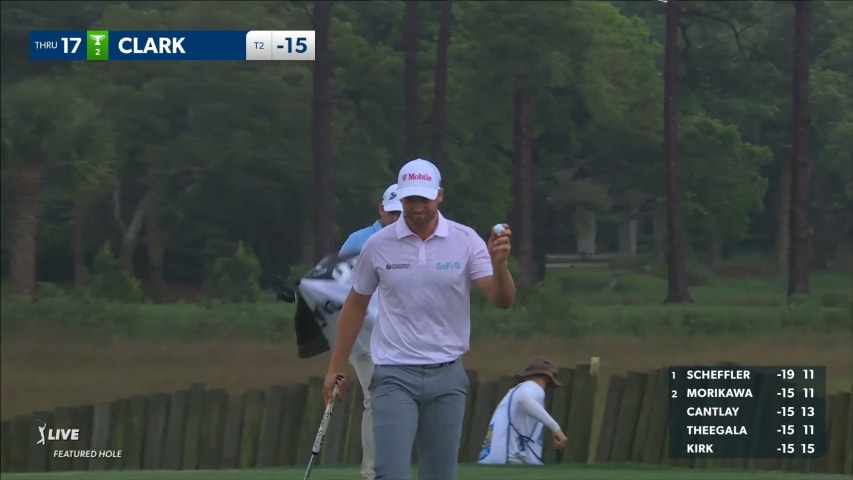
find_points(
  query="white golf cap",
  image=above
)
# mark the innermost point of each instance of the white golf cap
(419, 178)
(390, 202)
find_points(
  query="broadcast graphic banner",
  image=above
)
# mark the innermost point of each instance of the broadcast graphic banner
(747, 412)
(189, 45)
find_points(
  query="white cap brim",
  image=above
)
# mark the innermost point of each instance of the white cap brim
(426, 192)
(392, 206)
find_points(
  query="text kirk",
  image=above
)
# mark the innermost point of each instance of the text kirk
(700, 448)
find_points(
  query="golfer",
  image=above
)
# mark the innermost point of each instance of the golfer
(422, 267)
(515, 431)
(389, 211)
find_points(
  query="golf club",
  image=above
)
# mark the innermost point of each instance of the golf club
(321, 432)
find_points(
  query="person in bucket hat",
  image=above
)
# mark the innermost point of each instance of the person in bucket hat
(514, 435)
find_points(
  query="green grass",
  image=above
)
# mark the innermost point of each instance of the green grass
(466, 472)
(570, 302)
(588, 287)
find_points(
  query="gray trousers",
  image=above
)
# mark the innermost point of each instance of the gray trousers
(418, 403)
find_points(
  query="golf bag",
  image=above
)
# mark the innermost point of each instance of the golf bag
(319, 297)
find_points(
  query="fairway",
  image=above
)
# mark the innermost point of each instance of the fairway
(467, 472)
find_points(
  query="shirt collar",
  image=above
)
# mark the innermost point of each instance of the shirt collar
(376, 226)
(442, 229)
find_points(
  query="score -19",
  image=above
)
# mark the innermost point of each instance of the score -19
(790, 374)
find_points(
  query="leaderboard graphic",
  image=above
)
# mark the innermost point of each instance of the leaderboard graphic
(122, 45)
(747, 412)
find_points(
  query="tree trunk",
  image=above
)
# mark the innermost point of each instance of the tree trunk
(715, 252)
(410, 46)
(156, 250)
(660, 234)
(130, 234)
(322, 130)
(78, 250)
(677, 290)
(523, 198)
(844, 251)
(827, 226)
(783, 238)
(126, 255)
(628, 236)
(26, 193)
(439, 102)
(586, 230)
(798, 264)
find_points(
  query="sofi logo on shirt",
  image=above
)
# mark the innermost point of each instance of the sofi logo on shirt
(448, 266)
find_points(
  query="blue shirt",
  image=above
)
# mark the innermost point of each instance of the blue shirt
(356, 240)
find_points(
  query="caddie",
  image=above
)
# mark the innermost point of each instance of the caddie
(389, 210)
(514, 435)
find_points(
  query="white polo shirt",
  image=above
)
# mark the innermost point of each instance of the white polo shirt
(425, 313)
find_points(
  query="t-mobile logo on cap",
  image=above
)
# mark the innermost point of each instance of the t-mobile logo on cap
(416, 176)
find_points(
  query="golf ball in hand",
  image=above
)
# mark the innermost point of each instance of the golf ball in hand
(499, 228)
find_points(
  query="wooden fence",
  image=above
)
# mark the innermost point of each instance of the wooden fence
(208, 429)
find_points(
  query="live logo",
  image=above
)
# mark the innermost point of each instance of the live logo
(63, 434)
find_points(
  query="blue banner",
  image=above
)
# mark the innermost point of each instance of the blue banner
(111, 45)
(58, 45)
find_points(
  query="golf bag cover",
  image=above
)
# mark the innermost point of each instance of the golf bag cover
(319, 299)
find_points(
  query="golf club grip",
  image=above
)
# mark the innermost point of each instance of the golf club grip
(324, 423)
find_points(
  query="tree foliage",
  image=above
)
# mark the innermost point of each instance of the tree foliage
(217, 153)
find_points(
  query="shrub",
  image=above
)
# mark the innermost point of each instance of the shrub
(110, 282)
(798, 299)
(697, 273)
(546, 310)
(92, 318)
(651, 320)
(832, 299)
(493, 321)
(296, 272)
(49, 290)
(634, 263)
(236, 278)
(549, 309)
(711, 320)
(479, 300)
(540, 309)
(748, 265)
